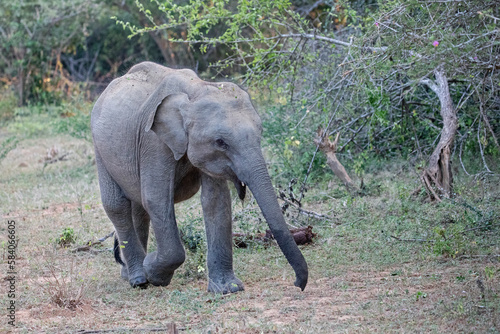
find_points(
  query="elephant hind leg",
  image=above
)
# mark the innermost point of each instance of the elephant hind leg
(128, 247)
(141, 224)
(127, 244)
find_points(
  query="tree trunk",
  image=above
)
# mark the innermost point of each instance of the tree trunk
(329, 149)
(164, 47)
(20, 86)
(438, 178)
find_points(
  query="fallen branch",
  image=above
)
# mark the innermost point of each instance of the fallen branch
(91, 244)
(170, 329)
(476, 256)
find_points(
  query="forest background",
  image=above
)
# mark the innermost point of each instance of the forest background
(397, 80)
(361, 101)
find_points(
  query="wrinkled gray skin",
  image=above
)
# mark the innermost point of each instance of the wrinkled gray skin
(160, 134)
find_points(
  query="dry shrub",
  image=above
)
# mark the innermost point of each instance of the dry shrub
(64, 284)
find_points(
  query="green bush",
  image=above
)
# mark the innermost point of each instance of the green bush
(8, 104)
(291, 147)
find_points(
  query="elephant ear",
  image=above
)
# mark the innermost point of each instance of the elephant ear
(168, 123)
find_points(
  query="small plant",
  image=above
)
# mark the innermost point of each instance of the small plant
(490, 272)
(360, 163)
(449, 242)
(67, 237)
(420, 295)
(8, 145)
(8, 104)
(63, 284)
(194, 266)
(194, 240)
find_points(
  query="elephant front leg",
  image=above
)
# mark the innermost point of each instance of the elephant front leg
(216, 203)
(159, 204)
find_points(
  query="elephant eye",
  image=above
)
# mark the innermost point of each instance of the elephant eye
(222, 144)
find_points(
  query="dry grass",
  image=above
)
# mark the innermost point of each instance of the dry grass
(361, 279)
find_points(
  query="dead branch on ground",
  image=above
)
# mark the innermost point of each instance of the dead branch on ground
(170, 329)
(90, 245)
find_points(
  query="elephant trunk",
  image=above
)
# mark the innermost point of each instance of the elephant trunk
(259, 182)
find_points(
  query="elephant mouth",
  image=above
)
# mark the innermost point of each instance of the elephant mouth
(241, 188)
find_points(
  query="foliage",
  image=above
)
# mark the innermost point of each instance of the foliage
(194, 240)
(74, 119)
(370, 88)
(192, 237)
(67, 237)
(405, 41)
(289, 145)
(32, 37)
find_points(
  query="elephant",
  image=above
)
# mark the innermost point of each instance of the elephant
(161, 134)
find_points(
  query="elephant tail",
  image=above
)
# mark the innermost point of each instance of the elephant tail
(116, 250)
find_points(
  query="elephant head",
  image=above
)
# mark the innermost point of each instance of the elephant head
(217, 126)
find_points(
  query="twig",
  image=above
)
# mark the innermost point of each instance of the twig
(486, 121)
(56, 159)
(424, 177)
(91, 244)
(490, 16)
(482, 226)
(107, 236)
(480, 255)
(481, 147)
(411, 240)
(307, 212)
(170, 329)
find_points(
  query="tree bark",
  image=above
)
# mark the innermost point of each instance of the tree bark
(164, 47)
(329, 149)
(438, 177)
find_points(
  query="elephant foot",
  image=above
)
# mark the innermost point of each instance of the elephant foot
(139, 281)
(159, 273)
(225, 284)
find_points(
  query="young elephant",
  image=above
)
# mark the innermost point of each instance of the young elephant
(159, 134)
